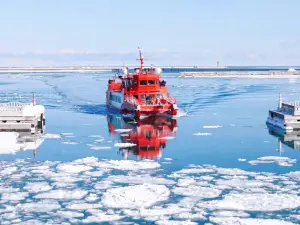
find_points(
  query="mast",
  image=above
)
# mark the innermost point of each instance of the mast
(141, 60)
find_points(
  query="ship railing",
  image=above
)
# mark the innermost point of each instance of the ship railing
(132, 100)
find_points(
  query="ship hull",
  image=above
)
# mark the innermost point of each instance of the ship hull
(131, 111)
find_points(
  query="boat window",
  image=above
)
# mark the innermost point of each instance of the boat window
(143, 82)
(157, 81)
(143, 96)
(158, 95)
(151, 82)
(136, 96)
(143, 148)
(151, 148)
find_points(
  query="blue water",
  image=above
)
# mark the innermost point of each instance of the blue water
(75, 103)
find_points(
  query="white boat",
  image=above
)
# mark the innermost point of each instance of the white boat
(286, 116)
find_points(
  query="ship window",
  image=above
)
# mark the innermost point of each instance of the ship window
(151, 82)
(158, 95)
(143, 82)
(143, 148)
(143, 96)
(151, 148)
(136, 96)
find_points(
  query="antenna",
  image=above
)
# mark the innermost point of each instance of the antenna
(141, 59)
(280, 101)
(33, 99)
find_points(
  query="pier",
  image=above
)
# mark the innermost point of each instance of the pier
(241, 74)
(16, 116)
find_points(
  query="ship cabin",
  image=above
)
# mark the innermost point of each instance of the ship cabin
(142, 86)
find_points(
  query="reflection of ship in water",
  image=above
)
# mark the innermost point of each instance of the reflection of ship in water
(13, 142)
(291, 139)
(148, 136)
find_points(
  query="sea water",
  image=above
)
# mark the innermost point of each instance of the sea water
(216, 163)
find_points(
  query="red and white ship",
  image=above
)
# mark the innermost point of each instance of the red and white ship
(140, 94)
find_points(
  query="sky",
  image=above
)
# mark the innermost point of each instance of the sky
(170, 32)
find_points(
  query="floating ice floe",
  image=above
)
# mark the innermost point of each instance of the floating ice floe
(124, 145)
(242, 160)
(40, 206)
(96, 148)
(202, 134)
(175, 222)
(140, 179)
(62, 194)
(122, 130)
(135, 196)
(92, 190)
(70, 168)
(168, 159)
(248, 221)
(211, 126)
(262, 202)
(70, 143)
(167, 138)
(281, 161)
(101, 217)
(67, 134)
(37, 187)
(197, 191)
(52, 136)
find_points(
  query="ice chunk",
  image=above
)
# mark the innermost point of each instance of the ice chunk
(129, 164)
(73, 168)
(191, 216)
(140, 179)
(41, 206)
(14, 196)
(186, 182)
(197, 191)
(94, 173)
(69, 214)
(70, 143)
(156, 211)
(294, 175)
(211, 126)
(83, 206)
(175, 222)
(168, 159)
(230, 214)
(94, 147)
(37, 187)
(281, 161)
(195, 170)
(101, 217)
(135, 196)
(52, 136)
(242, 160)
(62, 194)
(122, 130)
(247, 221)
(91, 198)
(124, 145)
(257, 202)
(202, 134)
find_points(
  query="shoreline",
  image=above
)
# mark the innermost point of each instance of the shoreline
(244, 76)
